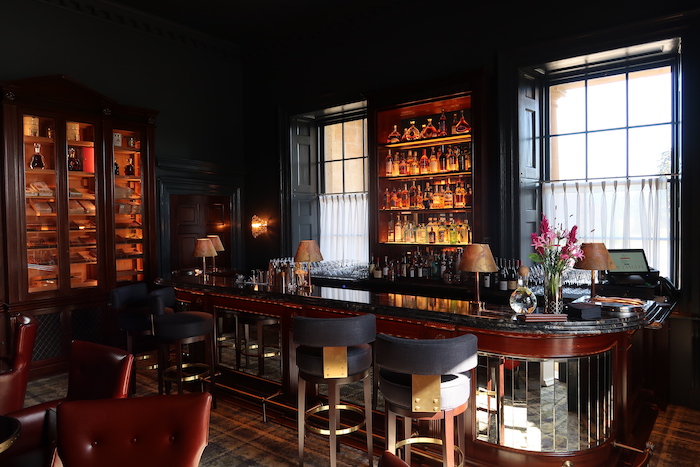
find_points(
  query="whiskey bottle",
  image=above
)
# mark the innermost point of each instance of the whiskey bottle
(388, 164)
(448, 197)
(442, 161)
(427, 196)
(459, 196)
(453, 128)
(412, 133)
(74, 164)
(413, 166)
(403, 165)
(394, 136)
(438, 199)
(424, 163)
(412, 196)
(405, 200)
(386, 199)
(442, 125)
(37, 161)
(451, 160)
(434, 163)
(398, 230)
(462, 126)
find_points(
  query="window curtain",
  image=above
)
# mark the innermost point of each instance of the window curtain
(344, 227)
(623, 213)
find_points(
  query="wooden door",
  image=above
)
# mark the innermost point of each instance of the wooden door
(196, 216)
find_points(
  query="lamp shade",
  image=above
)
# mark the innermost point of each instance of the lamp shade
(477, 257)
(595, 257)
(307, 252)
(216, 241)
(204, 248)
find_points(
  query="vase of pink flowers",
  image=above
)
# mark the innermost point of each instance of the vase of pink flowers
(557, 249)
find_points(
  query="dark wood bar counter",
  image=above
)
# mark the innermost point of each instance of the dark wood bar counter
(546, 391)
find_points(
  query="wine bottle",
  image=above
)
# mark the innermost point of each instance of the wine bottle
(512, 275)
(503, 276)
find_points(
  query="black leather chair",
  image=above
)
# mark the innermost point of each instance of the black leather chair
(334, 351)
(426, 379)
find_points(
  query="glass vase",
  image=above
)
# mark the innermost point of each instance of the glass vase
(553, 298)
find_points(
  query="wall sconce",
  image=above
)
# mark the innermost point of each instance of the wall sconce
(258, 226)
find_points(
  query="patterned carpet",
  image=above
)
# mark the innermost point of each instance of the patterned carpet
(676, 437)
(239, 438)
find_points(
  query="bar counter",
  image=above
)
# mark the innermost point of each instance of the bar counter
(594, 365)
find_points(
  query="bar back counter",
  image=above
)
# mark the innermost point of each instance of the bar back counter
(547, 392)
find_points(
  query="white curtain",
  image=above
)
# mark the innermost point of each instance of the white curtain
(344, 227)
(623, 213)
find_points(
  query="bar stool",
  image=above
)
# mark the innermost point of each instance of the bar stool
(426, 379)
(130, 302)
(334, 351)
(179, 329)
(244, 345)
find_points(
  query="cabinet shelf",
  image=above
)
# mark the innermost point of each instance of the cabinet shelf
(427, 211)
(426, 143)
(425, 244)
(440, 175)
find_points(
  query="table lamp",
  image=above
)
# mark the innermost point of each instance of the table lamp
(595, 257)
(204, 248)
(477, 258)
(307, 252)
(218, 246)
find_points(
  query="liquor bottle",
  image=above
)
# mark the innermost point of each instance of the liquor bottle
(468, 195)
(398, 230)
(385, 267)
(459, 196)
(462, 126)
(386, 199)
(448, 197)
(432, 236)
(429, 131)
(451, 160)
(424, 163)
(414, 166)
(442, 125)
(377, 270)
(405, 198)
(129, 167)
(388, 164)
(434, 164)
(412, 194)
(467, 157)
(74, 164)
(37, 161)
(394, 136)
(390, 233)
(452, 232)
(395, 200)
(421, 234)
(116, 167)
(438, 199)
(427, 196)
(442, 232)
(460, 159)
(395, 165)
(412, 133)
(442, 161)
(453, 128)
(409, 234)
(403, 165)
(419, 199)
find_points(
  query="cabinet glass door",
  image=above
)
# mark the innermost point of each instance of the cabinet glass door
(128, 205)
(82, 208)
(40, 198)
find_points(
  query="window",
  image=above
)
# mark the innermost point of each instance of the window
(612, 153)
(343, 205)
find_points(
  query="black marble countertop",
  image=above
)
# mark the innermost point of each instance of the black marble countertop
(450, 311)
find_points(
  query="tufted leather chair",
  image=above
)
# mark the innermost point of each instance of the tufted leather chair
(95, 372)
(170, 430)
(13, 384)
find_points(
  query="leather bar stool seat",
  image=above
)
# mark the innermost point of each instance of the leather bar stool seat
(334, 351)
(177, 330)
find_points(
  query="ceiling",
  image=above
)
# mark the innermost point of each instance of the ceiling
(245, 21)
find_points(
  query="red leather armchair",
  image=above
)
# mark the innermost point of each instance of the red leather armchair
(155, 431)
(95, 372)
(13, 384)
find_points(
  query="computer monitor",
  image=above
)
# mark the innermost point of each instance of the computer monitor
(629, 261)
